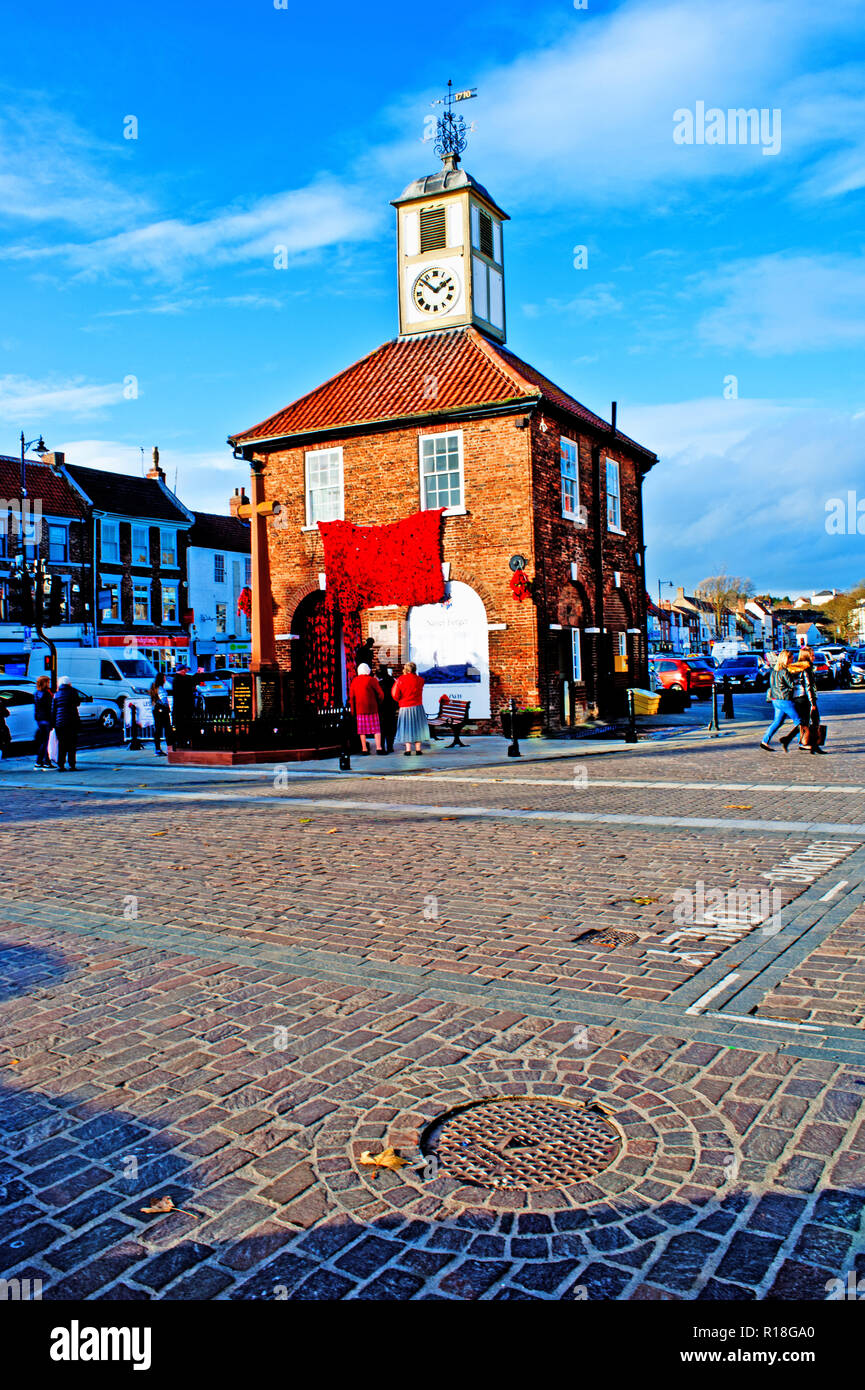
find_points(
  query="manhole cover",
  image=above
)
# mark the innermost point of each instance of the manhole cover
(523, 1142)
(608, 938)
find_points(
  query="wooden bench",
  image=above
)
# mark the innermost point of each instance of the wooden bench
(453, 716)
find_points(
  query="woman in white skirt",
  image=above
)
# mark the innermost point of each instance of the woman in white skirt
(412, 726)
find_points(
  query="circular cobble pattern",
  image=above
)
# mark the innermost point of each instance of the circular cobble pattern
(675, 1154)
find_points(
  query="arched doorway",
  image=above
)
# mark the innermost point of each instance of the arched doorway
(317, 658)
(450, 643)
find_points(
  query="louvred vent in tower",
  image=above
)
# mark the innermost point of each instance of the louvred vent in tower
(433, 233)
(486, 234)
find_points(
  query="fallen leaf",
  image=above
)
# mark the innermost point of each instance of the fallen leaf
(158, 832)
(306, 820)
(447, 818)
(388, 1158)
(736, 807)
(643, 901)
(331, 832)
(16, 1061)
(623, 1057)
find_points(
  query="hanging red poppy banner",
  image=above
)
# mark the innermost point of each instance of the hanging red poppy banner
(370, 566)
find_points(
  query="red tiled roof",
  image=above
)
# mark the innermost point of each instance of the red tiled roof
(445, 371)
(58, 497)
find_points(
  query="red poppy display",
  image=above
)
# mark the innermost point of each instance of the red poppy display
(520, 586)
(244, 602)
(371, 566)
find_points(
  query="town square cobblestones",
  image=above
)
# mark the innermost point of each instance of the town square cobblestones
(281, 1003)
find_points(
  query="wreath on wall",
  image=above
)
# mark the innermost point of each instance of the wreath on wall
(520, 586)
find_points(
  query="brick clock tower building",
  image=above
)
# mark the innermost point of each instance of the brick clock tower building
(448, 501)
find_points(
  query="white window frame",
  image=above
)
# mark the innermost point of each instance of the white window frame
(438, 435)
(312, 524)
(576, 655)
(64, 527)
(111, 581)
(218, 563)
(579, 515)
(111, 527)
(163, 563)
(134, 550)
(175, 587)
(221, 631)
(141, 586)
(617, 524)
(247, 571)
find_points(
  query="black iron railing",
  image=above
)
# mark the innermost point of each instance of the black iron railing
(306, 728)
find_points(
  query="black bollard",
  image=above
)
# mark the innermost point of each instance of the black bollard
(631, 731)
(345, 751)
(729, 712)
(714, 731)
(134, 741)
(514, 749)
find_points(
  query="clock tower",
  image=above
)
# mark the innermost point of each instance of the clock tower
(449, 245)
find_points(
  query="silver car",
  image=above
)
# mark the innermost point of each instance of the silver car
(18, 692)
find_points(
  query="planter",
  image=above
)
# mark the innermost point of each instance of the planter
(530, 723)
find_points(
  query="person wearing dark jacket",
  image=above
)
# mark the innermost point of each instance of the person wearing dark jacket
(161, 714)
(5, 736)
(42, 715)
(806, 704)
(389, 710)
(64, 717)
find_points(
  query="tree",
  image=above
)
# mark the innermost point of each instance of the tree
(839, 613)
(723, 591)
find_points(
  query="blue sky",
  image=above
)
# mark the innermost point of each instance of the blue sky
(153, 258)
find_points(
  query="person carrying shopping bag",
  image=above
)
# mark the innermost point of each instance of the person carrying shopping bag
(42, 715)
(782, 687)
(809, 730)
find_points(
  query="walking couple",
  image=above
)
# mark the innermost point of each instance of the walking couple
(793, 692)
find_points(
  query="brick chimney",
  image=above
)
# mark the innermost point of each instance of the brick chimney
(237, 499)
(55, 461)
(156, 472)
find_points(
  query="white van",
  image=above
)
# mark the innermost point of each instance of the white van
(107, 673)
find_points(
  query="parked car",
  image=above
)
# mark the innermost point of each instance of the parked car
(693, 674)
(857, 666)
(748, 671)
(18, 694)
(838, 660)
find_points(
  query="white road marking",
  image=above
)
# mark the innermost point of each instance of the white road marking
(782, 827)
(769, 1022)
(827, 897)
(699, 1004)
(808, 787)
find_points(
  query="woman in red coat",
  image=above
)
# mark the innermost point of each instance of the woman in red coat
(365, 696)
(412, 726)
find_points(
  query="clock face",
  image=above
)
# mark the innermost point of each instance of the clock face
(435, 290)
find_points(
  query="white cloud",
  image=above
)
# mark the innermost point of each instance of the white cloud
(302, 220)
(750, 495)
(22, 397)
(205, 477)
(52, 171)
(787, 304)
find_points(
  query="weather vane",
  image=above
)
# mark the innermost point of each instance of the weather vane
(451, 130)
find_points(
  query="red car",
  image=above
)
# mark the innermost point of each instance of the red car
(694, 674)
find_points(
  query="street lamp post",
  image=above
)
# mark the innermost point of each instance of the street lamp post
(38, 567)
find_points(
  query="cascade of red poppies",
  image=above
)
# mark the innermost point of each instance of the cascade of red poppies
(371, 566)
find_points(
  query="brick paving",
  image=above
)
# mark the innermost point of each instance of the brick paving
(224, 1004)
